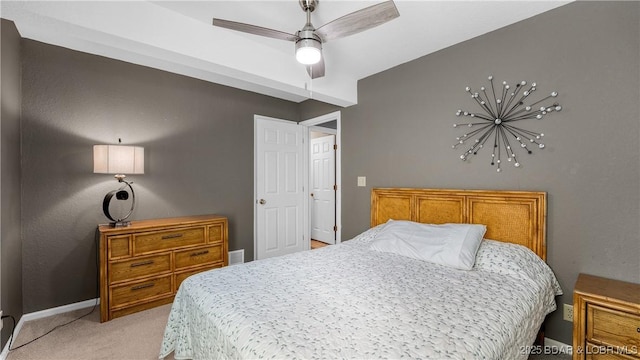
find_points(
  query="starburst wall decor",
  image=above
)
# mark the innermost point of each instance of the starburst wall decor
(496, 121)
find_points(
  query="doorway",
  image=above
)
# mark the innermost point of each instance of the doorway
(326, 219)
(322, 184)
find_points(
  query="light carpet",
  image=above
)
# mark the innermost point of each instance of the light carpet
(133, 337)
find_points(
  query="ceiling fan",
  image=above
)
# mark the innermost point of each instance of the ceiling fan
(309, 40)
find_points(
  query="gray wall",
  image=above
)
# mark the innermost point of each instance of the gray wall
(198, 140)
(312, 108)
(400, 133)
(10, 244)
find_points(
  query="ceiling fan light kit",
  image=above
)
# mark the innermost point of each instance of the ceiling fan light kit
(309, 40)
(308, 48)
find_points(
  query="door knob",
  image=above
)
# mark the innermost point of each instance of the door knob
(262, 201)
(311, 194)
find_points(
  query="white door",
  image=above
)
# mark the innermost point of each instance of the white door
(323, 193)
(279, 187)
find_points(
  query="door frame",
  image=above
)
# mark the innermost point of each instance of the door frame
(310, 124)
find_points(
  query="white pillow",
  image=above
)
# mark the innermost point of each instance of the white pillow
(453, 245)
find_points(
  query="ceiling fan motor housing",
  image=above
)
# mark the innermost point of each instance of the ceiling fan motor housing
(308, 47)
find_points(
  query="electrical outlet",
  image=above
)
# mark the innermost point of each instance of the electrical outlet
(567, 313)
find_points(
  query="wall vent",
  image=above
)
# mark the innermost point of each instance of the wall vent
(236, 257)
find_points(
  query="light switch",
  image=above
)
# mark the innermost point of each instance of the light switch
(362, 181)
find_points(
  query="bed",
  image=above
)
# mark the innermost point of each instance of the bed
(353, 301)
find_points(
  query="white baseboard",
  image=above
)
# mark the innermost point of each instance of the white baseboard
(46, 313)
(59, 310)
(562, 347)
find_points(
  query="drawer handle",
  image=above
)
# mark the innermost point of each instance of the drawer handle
(638, 329)
(140, 287)
(143, 263)
(172, 236)
(207, 251)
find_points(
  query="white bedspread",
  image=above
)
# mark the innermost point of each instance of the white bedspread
(350, 302)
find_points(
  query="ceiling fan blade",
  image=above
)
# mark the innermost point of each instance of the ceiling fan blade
(316, 70)
(358, 21)
(255, 30)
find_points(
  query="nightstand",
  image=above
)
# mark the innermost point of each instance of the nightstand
(606, 319)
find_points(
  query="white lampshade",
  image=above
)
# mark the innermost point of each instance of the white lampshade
(118, 159)
(308, 51)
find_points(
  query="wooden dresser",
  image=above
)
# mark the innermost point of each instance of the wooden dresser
(606, 319)
(142, 266)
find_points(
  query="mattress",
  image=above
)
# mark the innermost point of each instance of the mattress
(349, 301)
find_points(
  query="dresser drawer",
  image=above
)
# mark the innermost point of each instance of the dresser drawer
(199, 256)
(119, 246)
(180, 277)
(140, 307)
(595, 352)
(607, 357)
(216, 233)
(139, 267)
(166, 240)
(142, 290)
(612, 327)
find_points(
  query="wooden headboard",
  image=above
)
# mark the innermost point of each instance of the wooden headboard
(510, 216)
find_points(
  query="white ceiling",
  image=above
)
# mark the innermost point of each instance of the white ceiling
(177, 36)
